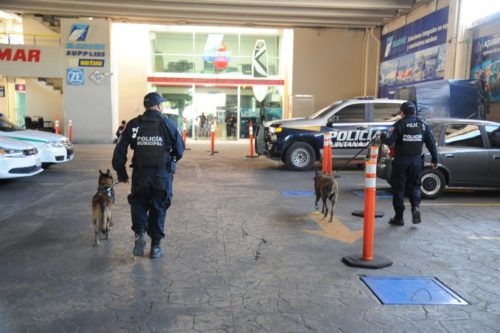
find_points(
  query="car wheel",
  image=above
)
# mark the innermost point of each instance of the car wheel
(432, 184)
(300, 156)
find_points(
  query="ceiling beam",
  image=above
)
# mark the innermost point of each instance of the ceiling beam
(331, 4)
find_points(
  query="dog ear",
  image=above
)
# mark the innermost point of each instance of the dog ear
(108, 172)
(101, 173)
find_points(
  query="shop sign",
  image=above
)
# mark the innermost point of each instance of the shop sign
(75, 76)
(97, 76)
(20, 87)
(486, 59)
(90, 62)
(78, 32)
(413, 53)
(22, 55)
(216, 52)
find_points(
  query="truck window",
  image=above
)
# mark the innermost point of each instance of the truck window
(354, 113)
(385, 112)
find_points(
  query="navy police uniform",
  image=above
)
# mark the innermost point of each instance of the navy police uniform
(158, 146)
(408, 136)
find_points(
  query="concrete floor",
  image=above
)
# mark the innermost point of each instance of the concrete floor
(238, 255)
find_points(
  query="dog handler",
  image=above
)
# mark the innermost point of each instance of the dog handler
(157, 146)
(408, 136)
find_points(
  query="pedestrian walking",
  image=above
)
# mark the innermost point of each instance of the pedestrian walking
(408, 136)
(157, 146)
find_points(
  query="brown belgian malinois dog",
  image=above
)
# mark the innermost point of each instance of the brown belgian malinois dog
(101, 205)
(326, 188)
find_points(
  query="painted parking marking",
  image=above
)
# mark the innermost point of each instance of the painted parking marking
(333, 230)
(484, 237)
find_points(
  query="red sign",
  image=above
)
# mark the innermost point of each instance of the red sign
(221, 59)
(21, 55)
(20, 87)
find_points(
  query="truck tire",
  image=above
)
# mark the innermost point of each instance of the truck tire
(433, 183)
(300, 156)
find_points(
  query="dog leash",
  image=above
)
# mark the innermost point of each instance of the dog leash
(377, 136)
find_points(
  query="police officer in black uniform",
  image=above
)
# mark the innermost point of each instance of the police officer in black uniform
(157, 145)
(408, 136)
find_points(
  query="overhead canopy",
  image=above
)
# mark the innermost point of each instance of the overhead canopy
(252, 13)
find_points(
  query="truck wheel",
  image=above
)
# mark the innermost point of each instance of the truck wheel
(300, 156)
(433, 184)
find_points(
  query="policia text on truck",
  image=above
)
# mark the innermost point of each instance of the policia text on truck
(353, 123)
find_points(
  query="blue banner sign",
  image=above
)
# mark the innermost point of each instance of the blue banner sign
(486, 59)
(413, 53)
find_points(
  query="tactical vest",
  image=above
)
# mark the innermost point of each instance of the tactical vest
(411, 140)
(151, 147)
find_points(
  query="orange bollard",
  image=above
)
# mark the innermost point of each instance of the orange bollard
(329, 165)
(212, 138)
(184, 133)
(368, 260)
(57, 129)
(252, 141)
(70, 130)
(369, 221)
(373, 153)
(327, 139)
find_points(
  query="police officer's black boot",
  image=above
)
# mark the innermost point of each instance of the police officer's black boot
(140, 244)
(156, 250)
(397, 221)
(415, 215)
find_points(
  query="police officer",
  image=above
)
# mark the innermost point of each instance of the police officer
(408, 136)
(157, 145)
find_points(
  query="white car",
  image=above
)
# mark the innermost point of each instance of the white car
(18, 159)
(53, 148)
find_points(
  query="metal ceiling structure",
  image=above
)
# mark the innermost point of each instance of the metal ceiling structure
(250, 13)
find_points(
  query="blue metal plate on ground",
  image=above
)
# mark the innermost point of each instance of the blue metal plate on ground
(296, 193)
(381, 194)
(412, 290)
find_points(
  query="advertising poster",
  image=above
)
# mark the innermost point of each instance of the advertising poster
(486, 59)
(414, 53)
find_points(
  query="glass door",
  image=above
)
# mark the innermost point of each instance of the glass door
(217, 105)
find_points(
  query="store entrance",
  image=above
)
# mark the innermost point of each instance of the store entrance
(216, 106)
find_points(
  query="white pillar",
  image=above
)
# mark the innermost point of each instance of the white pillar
(88, 87)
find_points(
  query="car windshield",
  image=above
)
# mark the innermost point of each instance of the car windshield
(325, 110)
(7, 126)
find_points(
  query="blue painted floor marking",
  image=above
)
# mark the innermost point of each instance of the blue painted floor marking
(412, 290)
(296, 193)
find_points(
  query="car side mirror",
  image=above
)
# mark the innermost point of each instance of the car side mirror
(331, 120)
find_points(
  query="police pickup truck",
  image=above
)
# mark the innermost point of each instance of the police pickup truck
(354, 122)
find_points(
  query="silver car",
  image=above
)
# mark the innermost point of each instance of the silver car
(469, 156)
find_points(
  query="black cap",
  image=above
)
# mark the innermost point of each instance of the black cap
(153, 99)
(408, 108)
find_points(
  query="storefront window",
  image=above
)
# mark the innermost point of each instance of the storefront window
(211, 53)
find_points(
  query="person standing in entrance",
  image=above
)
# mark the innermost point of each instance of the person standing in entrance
(408, 136)
(157, 146)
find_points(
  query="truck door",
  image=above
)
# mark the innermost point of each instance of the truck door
(350, 130)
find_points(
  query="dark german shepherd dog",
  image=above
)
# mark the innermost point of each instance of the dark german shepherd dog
(101, 205)
(326, 188)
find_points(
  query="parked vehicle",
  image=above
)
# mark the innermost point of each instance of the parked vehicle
(53, 148)
(469, 156)
(18, 159)
(354, 122)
